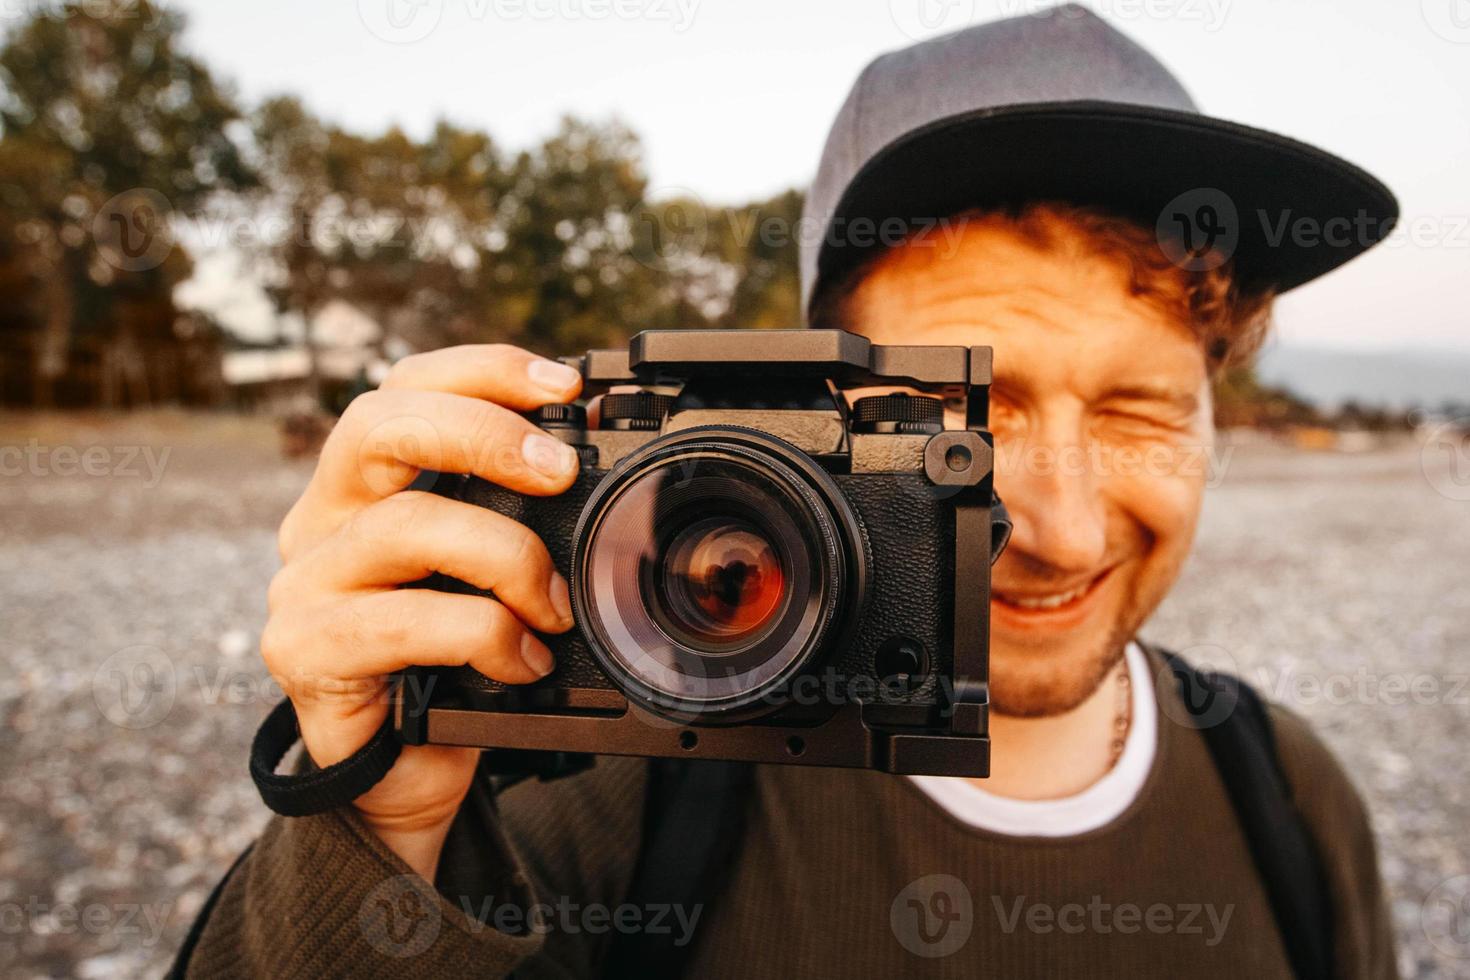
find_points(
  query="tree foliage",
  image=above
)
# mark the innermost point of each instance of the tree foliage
(108, 125)
(557, 247)
(112, 135)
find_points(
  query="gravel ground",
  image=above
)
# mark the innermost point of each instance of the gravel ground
(133, 594)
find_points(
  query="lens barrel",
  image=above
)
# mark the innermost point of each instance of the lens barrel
(712, 566)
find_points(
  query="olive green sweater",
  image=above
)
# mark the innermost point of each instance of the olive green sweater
(840, 874)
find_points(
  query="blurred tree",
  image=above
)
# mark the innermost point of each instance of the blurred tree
(569, 223)
(107, 128)
(446, 241)
(1372, 418)
(1242, 401)
(392, 226)
(762, 245)
(111, 135)
(290, 155)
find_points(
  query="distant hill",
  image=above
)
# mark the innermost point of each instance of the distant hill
(1398, 379)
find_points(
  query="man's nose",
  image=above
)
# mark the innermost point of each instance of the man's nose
(1056, 503)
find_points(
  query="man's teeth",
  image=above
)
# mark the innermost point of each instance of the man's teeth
(1044, 602)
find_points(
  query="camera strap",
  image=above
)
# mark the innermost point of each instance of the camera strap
(318, 790)
(302, 794)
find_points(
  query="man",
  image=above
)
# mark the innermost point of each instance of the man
(1056, 196)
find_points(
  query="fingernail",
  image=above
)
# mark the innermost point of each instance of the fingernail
(548, 456)
(554, 376)
(560, 596)
(536, 656)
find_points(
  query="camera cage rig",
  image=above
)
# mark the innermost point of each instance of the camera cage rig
(960, 460)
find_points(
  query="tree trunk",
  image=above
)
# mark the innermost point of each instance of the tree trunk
(58, 303)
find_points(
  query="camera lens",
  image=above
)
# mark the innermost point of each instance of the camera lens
(710, 567)
(719, 581)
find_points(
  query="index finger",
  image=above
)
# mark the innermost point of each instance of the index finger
(499, 373)
(387, 437)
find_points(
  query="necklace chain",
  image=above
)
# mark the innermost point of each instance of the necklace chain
(1123, 716)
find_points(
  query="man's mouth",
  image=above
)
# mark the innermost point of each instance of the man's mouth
(1038, 601)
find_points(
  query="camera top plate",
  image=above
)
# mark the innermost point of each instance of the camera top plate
(846, 359)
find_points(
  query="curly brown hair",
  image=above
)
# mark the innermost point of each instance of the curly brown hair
(1230, 323)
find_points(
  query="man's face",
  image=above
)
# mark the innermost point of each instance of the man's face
(1102, 418)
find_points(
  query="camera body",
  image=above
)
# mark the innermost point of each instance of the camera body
(758, 572)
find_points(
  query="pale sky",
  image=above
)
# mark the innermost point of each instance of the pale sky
(732, 98)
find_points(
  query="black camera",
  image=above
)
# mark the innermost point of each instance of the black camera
(758, 571)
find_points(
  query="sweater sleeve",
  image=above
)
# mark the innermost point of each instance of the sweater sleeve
(323, 896)
(1339, 824)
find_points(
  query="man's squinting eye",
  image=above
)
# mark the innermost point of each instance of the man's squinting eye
(1150, 417)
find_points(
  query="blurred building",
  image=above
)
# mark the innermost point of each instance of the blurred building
(342, 352)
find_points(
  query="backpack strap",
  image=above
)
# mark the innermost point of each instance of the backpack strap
(1236, 727)
(693, 820)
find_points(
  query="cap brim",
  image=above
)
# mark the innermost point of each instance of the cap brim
(1287, 212)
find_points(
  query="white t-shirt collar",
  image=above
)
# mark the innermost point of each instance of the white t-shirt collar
(1096, 806)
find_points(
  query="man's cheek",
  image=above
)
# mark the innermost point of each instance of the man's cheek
(1165, 491)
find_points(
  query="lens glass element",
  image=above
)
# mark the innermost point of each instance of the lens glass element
(721, 581)
(709, 573)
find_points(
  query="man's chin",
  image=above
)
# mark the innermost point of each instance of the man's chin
(1031, 684)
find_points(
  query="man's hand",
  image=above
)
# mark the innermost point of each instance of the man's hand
(339, 624)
